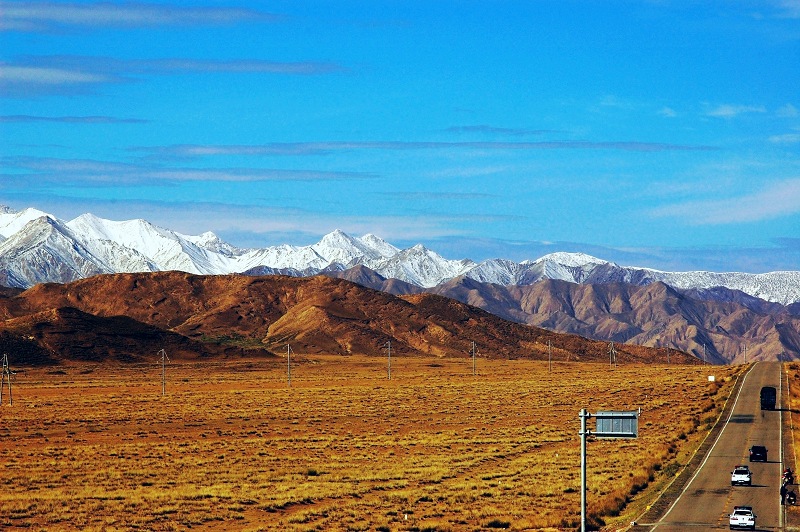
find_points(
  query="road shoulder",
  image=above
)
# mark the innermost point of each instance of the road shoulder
(790, 407)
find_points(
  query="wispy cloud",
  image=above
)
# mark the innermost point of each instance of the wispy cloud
(492, 130)
(71, 119)
(778, 199)
(787, 138)
(85, 172)
(315, 148)
(668, 112)
(788, 111)
(789, 8)
(37, 75)
(29, 80)
(179, 65)
(613, 101)
(55, 16)
(732, 111)
(48, 75)
(436, 196)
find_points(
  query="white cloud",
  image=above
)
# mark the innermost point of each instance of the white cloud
(10, 74)
(732, 111)
(789, 8)
(787, 111)
(778, 199)
(668, 112)
(788, 138)
(90, 172)
(66, 74)
(47, 16)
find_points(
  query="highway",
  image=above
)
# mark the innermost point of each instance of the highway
(709, 497)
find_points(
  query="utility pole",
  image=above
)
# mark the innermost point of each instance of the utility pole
(389, 359)
(288, 365)
(549, 358)
(612, 356)
(473, 357)
(6, 376)
(164, 359)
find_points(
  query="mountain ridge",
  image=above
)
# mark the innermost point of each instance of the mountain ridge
(571, 293)
(90, 245)
(127, 316)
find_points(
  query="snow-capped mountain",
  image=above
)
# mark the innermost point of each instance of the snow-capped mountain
(45, 250)
(343, 249)
(420, 266)
(12, 221)
(37, 247)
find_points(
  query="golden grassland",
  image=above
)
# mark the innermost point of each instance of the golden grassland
(232, 447)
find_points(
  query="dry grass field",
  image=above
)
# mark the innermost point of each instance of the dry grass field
(232, 447)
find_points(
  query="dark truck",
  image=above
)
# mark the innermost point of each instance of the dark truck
(768, 396)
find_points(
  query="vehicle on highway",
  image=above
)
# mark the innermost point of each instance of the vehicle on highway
(743, 517)
(741, 476)
(758, 453)
(768, 397)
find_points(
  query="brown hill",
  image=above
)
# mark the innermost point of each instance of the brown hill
(654, 315)
(364, 276)
(315, 315)
(70, 333)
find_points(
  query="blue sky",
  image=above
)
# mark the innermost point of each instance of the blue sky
(661, 134)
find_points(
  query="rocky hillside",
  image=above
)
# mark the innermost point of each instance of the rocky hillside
(655, 315)
(123, 316)
(720, 325)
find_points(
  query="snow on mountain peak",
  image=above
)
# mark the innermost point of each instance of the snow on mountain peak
(12, 221)
(571, 260)
(339, 247)
(205, 240)
(379, 245)
(89, 244)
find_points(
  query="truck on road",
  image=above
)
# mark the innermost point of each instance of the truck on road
(768, 397)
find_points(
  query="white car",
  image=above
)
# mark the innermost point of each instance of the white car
(743, 517)
(741, 476)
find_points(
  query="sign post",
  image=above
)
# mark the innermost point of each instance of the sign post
(584, 415)
(610, 424)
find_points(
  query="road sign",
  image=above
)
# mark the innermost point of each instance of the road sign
(610, 424)
(617, 424)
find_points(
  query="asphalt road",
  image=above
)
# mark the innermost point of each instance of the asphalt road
(709, 497)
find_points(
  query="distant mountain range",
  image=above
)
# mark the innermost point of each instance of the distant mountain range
(723, 317)
(129, 317)
(37, 247)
